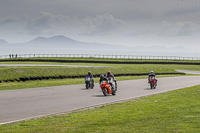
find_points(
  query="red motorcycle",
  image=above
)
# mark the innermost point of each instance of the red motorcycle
(106, 88)
(152, 82)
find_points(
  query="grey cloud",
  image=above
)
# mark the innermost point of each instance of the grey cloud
(178, 29)
(48, 23)
(165, 28)
(93, 18)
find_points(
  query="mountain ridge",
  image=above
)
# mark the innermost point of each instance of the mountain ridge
(63, 42)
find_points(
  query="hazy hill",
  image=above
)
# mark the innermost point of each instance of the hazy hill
(62, 42)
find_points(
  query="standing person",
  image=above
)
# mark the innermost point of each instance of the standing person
(112, 76)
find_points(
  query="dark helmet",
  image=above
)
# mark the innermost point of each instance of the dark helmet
(101, 76)
(108, 72)
(89, 73)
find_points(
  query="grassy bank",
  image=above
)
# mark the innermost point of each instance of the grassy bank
(176, 111)
(17, 72)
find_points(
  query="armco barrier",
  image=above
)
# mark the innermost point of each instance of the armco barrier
(145, 57)
(23, 79)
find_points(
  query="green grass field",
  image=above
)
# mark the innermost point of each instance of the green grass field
(171, 112)
(17, 72)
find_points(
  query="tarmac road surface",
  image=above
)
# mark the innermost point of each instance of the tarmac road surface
(23, 104)
(189, 71)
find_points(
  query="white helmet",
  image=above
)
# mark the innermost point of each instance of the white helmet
(151, 71)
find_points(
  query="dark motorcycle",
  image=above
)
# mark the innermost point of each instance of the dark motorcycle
(152, 82)
(88, 83)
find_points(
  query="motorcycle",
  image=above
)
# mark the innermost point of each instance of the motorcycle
(112, 83)
(107, 88)
(88, 83)
(152, 82)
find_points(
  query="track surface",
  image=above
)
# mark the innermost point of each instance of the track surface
(16, 105)
(189, 71)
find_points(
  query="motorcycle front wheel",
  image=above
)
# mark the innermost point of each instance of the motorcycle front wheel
(105, 92)
(87, 85)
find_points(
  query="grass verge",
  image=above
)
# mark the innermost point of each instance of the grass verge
(175, 111)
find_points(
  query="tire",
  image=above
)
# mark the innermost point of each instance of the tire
(105, 92)
(87, 85)
(115, 86)
(92, 86)
(113, 91)
(151, 85)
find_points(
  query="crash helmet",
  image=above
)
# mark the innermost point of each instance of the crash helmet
(108, 73)
(89, 73)
(151, 72)
(101, 76)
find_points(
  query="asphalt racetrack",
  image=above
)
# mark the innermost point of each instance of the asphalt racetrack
(23, 104)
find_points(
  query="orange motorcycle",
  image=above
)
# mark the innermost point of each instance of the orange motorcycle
(106, 88)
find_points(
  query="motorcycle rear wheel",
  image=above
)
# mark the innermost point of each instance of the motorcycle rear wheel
(92, 86)
(113, 91)
(151, 85)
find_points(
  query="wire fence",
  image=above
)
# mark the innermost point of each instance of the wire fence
(12, 56)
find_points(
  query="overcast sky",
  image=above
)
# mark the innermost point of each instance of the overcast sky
(121, 22)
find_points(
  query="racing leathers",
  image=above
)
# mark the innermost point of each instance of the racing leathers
(112, 76)
(152, 75)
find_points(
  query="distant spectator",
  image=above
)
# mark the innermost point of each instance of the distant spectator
(12, 55)
(16, 56)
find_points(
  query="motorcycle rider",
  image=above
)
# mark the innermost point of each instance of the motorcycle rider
(102, 78)
(112, 76)
(152, 74)
(91, 77)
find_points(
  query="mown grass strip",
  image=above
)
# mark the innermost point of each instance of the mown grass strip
(175, 111)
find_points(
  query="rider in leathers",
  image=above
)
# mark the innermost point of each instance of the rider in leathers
(152, 74)
(102, 78)
(112, 76)
(91, 77)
